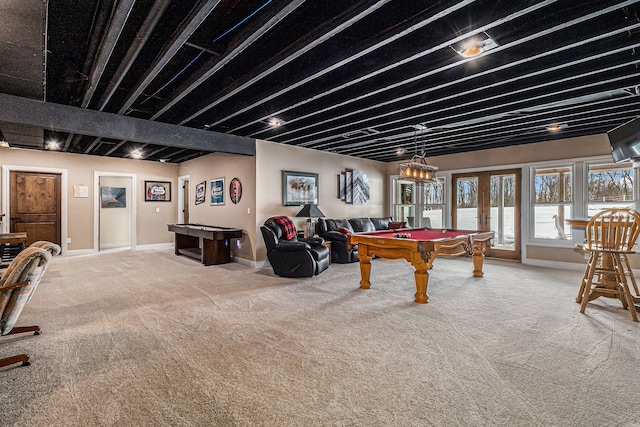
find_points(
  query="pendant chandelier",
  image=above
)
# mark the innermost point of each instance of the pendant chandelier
(417, 169)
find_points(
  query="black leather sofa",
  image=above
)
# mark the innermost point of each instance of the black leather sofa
(294, 257)
(336, 230)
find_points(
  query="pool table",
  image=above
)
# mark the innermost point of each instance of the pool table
(420, 247)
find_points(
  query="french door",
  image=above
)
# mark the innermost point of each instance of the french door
(490, 200)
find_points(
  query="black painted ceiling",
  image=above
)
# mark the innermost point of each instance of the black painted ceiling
(373, 79)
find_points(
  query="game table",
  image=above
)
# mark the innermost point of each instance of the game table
(420, 247)
(208, 244)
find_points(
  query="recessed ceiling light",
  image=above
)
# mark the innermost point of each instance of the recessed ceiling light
(555, 127)
(53, 145)
(136, 154)
(274, 122)
(475, 45)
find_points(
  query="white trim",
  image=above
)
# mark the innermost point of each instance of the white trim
(96, 206)
(154, 246)
(6, 169)
(562, 265)
(80, 252)
(181, 181)
(250, 263)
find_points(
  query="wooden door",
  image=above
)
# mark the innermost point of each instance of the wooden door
(490, 201)
(35, 205)
(185, 201)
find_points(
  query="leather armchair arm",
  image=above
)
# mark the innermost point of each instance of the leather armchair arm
(291, 246)
(335, 236)
(313, 241)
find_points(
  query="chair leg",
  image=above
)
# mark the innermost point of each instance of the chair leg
(590, 265)
(626, 298)
(629, 271)
(22, 329)
(586, 289)
(21, 358)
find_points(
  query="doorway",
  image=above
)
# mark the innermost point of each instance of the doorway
(52, 226)
(183, 199)
(490, 200)
(35, 205)
(115, 211)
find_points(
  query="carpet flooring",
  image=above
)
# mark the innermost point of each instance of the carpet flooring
(147, 338)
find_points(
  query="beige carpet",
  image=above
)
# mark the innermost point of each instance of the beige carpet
(151, 339)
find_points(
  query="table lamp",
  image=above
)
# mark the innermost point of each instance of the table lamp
(308, 211)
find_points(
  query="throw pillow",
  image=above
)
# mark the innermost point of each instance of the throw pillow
(343, 230)
(394, 225)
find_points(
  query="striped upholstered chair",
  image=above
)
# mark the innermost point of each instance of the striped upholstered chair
(17, 284)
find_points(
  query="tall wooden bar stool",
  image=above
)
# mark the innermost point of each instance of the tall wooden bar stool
(610, 236)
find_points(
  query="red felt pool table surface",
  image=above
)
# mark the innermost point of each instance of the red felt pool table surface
(420, 247)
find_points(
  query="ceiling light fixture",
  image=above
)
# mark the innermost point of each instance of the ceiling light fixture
(556, 127)
(474, 46)
(52, 145)
(274, 122)
(3, 142)
(136, 154)
(417, 169)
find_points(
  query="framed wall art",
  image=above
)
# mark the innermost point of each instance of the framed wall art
(217, 192)
(157, 191)
(235, 191)
(113, 197)
(299, 188)
(201, 192)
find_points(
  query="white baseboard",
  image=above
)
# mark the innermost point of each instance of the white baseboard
(79, 252)
(250, 263)
(154, 246)
(554, 264)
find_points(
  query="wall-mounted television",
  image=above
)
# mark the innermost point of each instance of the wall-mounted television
(625, 141)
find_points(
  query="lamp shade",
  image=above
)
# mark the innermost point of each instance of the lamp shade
(310, 211)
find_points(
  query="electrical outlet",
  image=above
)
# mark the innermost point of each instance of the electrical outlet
(157, 210)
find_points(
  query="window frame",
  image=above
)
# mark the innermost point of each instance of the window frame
(575, 196)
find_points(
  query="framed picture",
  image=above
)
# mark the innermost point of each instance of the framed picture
(217, 192)
(157, 191)
(201, 192)
(235, 191)
(299, 188)
(113, 197)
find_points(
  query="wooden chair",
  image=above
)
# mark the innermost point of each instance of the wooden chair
(17, 285)
(610, 236)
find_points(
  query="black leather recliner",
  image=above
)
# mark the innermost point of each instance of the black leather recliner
(336, 230)
(293, 257)
(328, 229)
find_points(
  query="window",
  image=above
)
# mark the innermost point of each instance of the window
(609, 186)
(552, 197)
(433, 203)
(412, 198)
(404, 203)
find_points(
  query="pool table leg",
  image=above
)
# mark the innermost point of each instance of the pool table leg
(365, 272)
(421, 277)
(478, 259)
